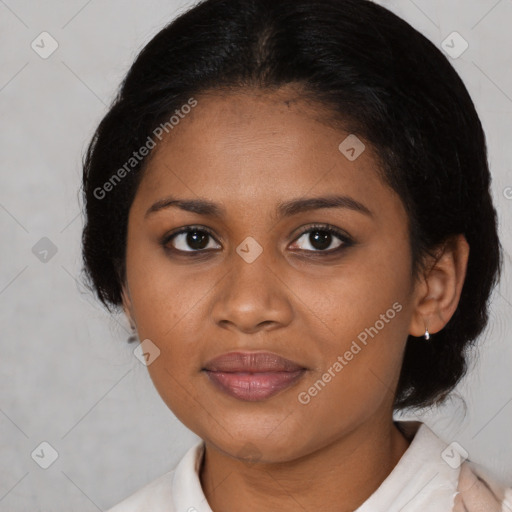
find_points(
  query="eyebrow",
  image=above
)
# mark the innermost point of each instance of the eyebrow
(283, 209)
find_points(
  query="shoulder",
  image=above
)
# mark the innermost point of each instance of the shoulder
(472, 487)
(155, 496)
(478, 491)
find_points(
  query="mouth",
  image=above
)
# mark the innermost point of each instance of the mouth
(252, 376)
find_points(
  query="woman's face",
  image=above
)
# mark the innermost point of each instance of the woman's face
(260, 276)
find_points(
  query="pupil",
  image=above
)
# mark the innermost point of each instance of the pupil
(197, 241)
(318, 241)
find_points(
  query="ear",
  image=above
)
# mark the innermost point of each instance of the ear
(439, 288)
(127, 304)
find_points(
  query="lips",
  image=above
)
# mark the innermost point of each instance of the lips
(252, 376)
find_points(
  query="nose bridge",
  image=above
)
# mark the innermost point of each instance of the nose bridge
(251, 295)
(251, 266)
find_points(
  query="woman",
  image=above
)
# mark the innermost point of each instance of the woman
(290, 200)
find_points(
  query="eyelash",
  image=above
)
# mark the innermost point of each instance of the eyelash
(328, 228)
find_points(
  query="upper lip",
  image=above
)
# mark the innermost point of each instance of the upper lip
(251, 362)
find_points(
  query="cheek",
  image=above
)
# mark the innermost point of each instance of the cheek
(355, 295)
(170, 310)
(163, 294)
(361, 354)
(365, 313)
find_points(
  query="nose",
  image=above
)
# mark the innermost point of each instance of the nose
(252, 297)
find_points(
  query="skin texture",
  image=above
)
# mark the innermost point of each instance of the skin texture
(248, 151)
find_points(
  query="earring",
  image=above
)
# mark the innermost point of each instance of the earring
(427, 334)
(133, 336)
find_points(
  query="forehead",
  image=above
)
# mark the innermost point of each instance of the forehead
(252, 147)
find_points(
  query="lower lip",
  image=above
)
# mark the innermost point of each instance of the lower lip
(254, 386)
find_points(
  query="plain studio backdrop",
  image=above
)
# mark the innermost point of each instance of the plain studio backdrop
(67, 376)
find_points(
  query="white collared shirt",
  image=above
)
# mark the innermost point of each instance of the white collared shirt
(426, 479)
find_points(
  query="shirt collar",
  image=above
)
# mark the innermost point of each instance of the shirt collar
(422, 480)
(187, 493)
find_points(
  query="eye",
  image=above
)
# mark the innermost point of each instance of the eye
(190, 239)
(197, 239)
(322, 238)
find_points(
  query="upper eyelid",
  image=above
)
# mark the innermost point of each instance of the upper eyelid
(186, 229)
(327, 227)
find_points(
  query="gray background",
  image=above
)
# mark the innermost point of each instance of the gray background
(66, 374)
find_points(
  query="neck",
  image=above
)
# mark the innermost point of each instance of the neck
(337, 477)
